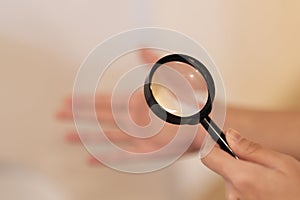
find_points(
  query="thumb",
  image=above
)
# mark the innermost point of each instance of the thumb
(251, 151)
(149, 55)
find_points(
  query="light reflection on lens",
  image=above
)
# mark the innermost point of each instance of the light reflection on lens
(166, 99)
(179, 89)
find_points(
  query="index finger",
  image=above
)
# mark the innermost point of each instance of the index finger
(222, 163)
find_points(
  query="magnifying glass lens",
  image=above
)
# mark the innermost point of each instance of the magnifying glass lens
(179, 89)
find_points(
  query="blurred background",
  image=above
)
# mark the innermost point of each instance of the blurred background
(255, 45)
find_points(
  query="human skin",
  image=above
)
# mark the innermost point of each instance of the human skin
(259, 173)
(267, 167)
(277, 130)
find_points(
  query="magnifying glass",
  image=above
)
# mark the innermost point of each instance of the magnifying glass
(180, 90)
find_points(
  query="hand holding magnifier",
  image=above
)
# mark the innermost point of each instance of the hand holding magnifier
(175, 94)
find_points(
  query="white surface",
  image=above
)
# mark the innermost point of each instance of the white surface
(19, 183)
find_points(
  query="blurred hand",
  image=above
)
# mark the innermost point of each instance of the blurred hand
(138, 111)
(259, 174)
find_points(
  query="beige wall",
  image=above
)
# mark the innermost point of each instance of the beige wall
(254, 43)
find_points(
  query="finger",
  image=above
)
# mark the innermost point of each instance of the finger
(68, 115)
(103, 104)
(111, 158)
(106, 101)
(72, 137)
(79, 101)
(149, 55)
(102, 116)
(115, 136)
(251, 151)
(100, 101)
(222, 163)
(64, 115)
(102, 107)
(231, 192)
(119, 136)
(118, 158)
(90, 138)
(94, 161)
(68, 101)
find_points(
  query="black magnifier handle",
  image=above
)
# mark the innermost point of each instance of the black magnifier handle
(217, 134)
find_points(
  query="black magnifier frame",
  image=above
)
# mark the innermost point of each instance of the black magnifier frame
(200, 117)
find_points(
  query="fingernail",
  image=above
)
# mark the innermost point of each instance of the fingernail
(233, 136)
